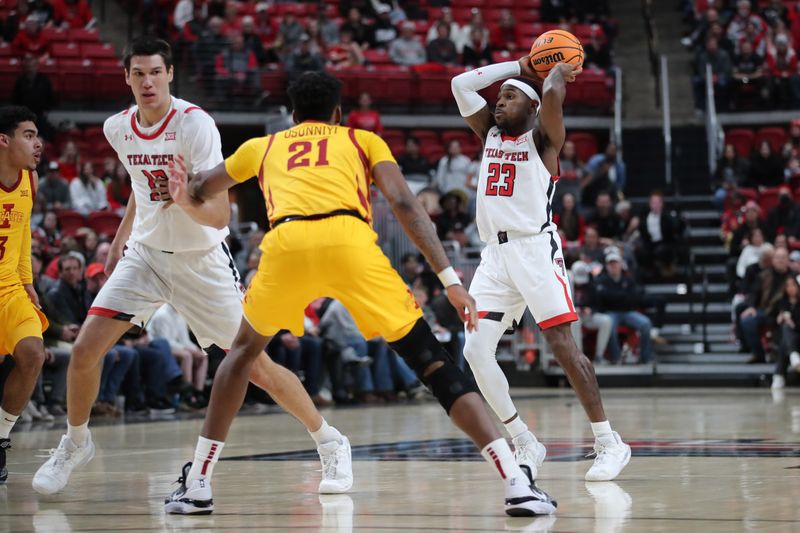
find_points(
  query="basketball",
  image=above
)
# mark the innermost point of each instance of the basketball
(553, 47)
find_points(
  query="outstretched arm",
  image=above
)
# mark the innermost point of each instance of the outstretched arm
(553, 93)
(471, 105)
(191, 192)
(419, 227)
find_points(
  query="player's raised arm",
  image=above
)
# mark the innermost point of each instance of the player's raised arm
(554, 91)
(194, 190)
(471, 105)
(420, 228)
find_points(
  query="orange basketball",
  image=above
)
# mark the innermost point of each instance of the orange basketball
(554, 47)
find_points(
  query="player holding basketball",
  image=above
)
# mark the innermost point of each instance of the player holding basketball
(316, 179)
(522, 263)
(21, 322)
(171, 258)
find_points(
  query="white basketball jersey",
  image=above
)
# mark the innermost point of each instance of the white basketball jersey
(515, 190)
(146, 153)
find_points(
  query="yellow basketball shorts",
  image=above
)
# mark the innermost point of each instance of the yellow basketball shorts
(336, 257)
(19, 318)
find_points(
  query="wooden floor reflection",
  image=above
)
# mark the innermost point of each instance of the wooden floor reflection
(716, 460)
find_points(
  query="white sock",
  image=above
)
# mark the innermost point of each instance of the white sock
(78, 434)
(601, 429)
(206, 456)
(326, 434)
(498, 454)
(7, 421)
(516, 427)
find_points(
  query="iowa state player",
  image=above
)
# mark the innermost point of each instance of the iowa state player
(21, 322)
(174, 255)
(522, 263)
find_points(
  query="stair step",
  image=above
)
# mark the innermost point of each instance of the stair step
(677, 329)
(703, 359)
(702, 214)
(700, 370)
(723, 347)
(712, 307)
(692, 338)
(704, 232)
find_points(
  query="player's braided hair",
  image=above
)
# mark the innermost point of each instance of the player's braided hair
(314, 96)
(12, 115)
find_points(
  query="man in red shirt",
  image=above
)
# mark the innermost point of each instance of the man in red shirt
(73, 14)
(364, 117)
(782, 65)
(31, 40)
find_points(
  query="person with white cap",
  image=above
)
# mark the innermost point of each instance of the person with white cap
(523, 263)
(588, 317)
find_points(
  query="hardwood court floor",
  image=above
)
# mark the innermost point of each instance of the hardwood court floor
(716, 460)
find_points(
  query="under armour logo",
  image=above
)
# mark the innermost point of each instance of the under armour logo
(128, 137)
(480, 73)
(169, 136)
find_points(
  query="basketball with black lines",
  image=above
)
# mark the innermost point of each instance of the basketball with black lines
(554, 47)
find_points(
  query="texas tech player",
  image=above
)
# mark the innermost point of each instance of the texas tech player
(522, 264)
(171, 255)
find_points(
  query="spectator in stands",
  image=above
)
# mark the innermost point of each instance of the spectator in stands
(784, 216)
(788, 319)
(88, 193)
(118, 188)
(451, 173)
(743, 16)
(476, 23)
(407, 49)
(721, 69)
(762, 303)
(211, 42)
(569, 221)
(48, 235)
(505, 36)
(782, 65)
(477, 53)
(192, 30)
(792, 146)
(585, 301)
(447, 18)
(291, 32)
(597, 50)
(252, 42)
(87, 242)
(748, 74)
(605, 220)
(184, 12)
(69, 293)
(312, 29)
(741, 230)
(69, 161)
(794, 262)
(230, 18)
(73, 14)
(700, 31)
(442, 49)
(662, 235)
(34, 90)
(358, 29)
(266, 28)
(606, 171)
(303, 59)
(303, 356)
(345, 53)
(416, 168)
(751, 253)
(766, 168)
(383, 30)
(365, 117)
(167, 324)
(452, 222)
(572, 173)
(744, 286)
(328, 29)
(31, 40)
(410, 268)
(758, 41)
(731, 172)
(618, 296)
(236, 69)
(54, 190)
(592, 250)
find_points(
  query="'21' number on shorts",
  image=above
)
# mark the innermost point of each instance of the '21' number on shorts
(152, 176)
(497, 172)
(300, 149)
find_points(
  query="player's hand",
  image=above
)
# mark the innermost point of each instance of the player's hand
(179, 182)
(570, 72)
(114, 255)
(465, 306)
(526, 69)
(32, 295)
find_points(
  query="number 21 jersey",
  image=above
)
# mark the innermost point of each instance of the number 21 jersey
(515, 190)
(146, 153)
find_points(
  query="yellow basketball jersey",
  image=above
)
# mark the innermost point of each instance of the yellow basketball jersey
(16, 203)
(312, 168)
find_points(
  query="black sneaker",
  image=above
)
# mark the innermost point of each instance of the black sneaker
(538, 503)
(195, 499)
(5, 444)
(161, 406)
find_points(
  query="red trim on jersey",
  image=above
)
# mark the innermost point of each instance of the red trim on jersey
(156, 133)
(365, 163)
(192, 108)
(13, 187)
(554, 179)
(33, 187)
(123, 113)
(566, 292)
(103, 311)
(504, 137)
(261, 176)
(560, 319)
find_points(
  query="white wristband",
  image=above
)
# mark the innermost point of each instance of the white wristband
(449, 277)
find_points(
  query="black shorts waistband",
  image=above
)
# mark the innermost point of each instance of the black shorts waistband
(321, 216)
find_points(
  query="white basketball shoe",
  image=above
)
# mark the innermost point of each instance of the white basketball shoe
(192, 498)
(533, 501)
(529, 455)
(611, 456)
(337, 467)
(54, 474)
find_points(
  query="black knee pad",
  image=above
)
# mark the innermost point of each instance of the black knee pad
(420, 349)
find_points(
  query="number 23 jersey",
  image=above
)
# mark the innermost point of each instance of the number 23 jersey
(515, 190)
(146, 153)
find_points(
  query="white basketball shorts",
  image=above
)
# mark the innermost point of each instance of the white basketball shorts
(528, 270)
(204, 287)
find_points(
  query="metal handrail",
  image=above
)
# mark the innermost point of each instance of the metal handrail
(713, 130)
(618, 110)
(667, 123)
(704, 312)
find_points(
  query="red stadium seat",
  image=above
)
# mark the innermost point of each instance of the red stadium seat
(104, 222)
(394, 135)
(65, 50)
(377, 57)
(530, 31)
(55, 35)
(596, 93)
(776, 137)
(425, 136)
(98, 50)
(432, 152)
(109, 84)
(585, 144)
(741, 139)
(527, 15)
(458, 135)
(70, 221)
(83, 35)
(274, 81)
(9, 72)
(768, 198)
(434, 88)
